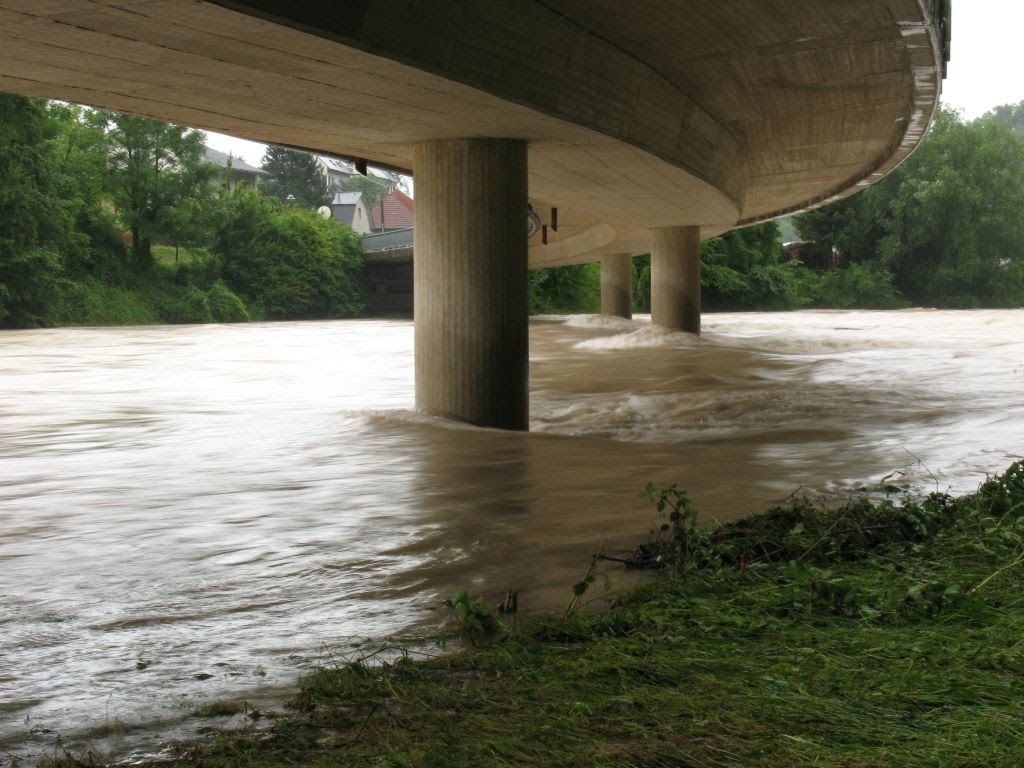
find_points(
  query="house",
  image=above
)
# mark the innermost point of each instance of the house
(393, 211)
(335, 171)
(350, 208)
(233, 172)
(338, 171)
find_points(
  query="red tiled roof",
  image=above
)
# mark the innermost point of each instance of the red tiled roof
(398, 211)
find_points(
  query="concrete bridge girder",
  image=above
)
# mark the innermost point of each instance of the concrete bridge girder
(799, 102)
(572, 247)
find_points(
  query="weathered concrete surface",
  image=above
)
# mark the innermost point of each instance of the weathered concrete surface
(617, 285)
(655, 113)
(470, 281)
(675, 278)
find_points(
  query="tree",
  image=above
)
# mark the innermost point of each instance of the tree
(153, 169)
(742, 269)
(35, 222)
(745, 269)
(1010, 115)
(955, 236)
(79, 150)
(573, 288)
(295, 177)
(290, 262)
(948, 223)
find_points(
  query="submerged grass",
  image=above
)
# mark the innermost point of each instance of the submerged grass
(877, 634)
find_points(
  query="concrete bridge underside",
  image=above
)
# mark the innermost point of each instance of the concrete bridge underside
(628, 128)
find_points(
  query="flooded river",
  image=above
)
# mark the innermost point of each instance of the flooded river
(197, 512)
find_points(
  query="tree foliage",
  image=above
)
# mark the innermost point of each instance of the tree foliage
(948, 224)
(1010, 115)
(35, 221)
(152, 169)
(743, 269)
(288, 261)
(295, 178)
(73, 180)
(79, 150)
(574, 288)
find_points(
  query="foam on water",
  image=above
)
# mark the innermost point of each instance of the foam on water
(602, 322)
(645, 337)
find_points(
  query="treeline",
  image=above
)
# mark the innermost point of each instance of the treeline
(742, 270)
(945, 229)
(109, 219)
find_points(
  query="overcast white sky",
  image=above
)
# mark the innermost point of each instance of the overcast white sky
(985, 68)
(249, 151)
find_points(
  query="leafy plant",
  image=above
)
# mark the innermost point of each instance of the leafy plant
(475, 617)
(574, 288)
(677, 543)
(289, 261)
(580, 588)
(225, 306)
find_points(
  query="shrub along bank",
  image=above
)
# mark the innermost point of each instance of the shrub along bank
(266, 261)
(75, 184)
(875, 634)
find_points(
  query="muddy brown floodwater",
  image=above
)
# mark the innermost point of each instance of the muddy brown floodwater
(191, 513)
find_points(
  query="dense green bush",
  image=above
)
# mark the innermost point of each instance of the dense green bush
(94, 302)
(867, 286)
(947, 224)
(35, 223)
(63, 253)
(103, 254)
(159, 299)
(575, 288)
(288, 261)
(225, 306)
(188, 306)
(30, 278)
(744, 269)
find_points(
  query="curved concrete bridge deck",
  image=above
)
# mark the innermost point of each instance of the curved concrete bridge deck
(628, 127)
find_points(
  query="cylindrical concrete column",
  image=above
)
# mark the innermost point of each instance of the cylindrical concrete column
(470, 281)
(617, 285)
(675, 278)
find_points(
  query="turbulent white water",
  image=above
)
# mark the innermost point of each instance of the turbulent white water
(191, 513)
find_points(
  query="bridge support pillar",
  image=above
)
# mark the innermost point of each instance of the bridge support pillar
(470, 281)
(675, 278)
(617, 285)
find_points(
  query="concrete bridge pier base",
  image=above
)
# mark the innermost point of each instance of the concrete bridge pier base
(470, 281)
(675, 278)
(617, 285)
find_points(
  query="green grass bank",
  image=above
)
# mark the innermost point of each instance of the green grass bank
(886, 633)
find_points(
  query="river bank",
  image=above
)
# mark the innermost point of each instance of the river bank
(873, 634)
